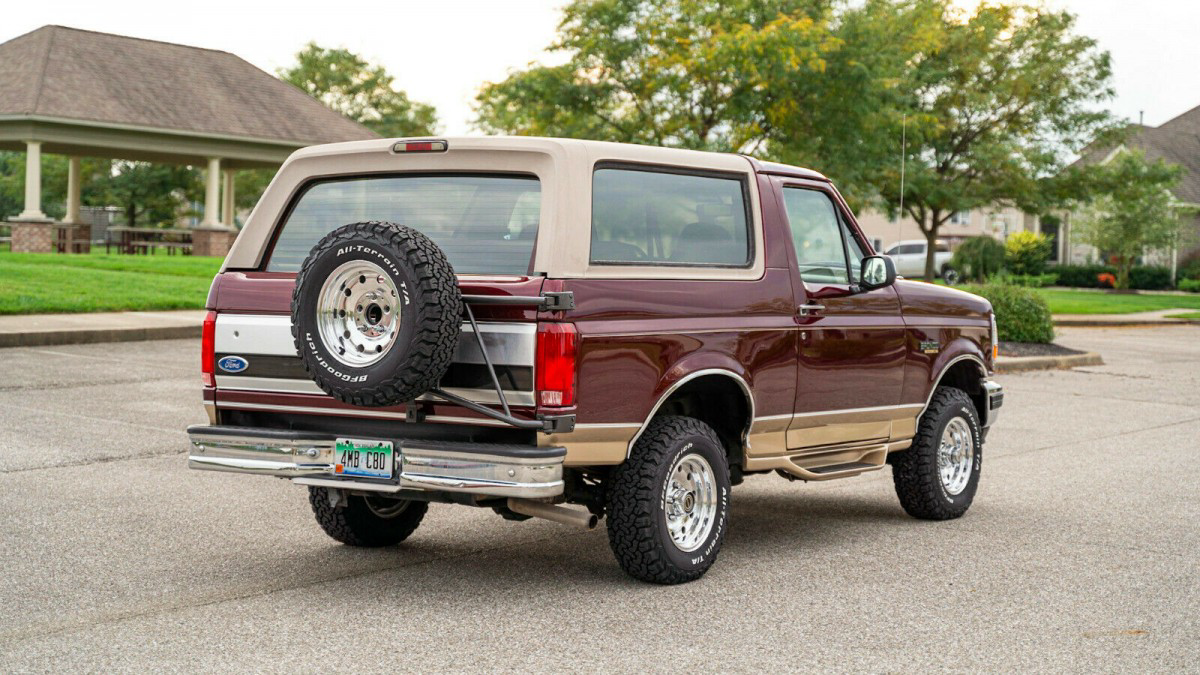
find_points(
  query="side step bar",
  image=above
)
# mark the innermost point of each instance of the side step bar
(848, 467)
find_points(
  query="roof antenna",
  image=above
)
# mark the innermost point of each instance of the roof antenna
(903, 157)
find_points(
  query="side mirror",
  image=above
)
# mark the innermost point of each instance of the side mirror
(877, 271)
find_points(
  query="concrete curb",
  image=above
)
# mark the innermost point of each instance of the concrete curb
(41, 330)
(1019, 364)
(1116, 323)
(47, 338)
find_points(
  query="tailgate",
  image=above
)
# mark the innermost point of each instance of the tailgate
(258, 367)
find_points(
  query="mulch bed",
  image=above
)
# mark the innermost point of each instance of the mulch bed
(1035, 349)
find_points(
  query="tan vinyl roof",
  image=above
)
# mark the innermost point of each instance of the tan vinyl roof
(70, 74)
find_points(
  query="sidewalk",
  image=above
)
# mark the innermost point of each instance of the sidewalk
(35, 330)
(1154, 318)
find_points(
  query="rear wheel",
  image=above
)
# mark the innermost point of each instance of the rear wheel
(937, 477)
(668, 504)
(950, 275)
(366, 521)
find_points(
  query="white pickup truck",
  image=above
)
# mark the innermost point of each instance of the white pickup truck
(909, 257)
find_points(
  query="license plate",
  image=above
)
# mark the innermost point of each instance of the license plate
(370, 459)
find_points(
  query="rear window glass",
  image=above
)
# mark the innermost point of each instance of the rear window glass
(485, 224)
(656, 218)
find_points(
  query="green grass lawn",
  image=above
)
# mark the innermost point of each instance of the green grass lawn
(1185, 315)
(36, 283)
(1096, 302)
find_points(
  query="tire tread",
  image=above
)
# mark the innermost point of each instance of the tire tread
(437, 301)
(633, 494)
(915, 471)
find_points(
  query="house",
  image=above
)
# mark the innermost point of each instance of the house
(992, 221)
(1176, 141)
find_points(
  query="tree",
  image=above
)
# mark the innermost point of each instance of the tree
(994, 102)
(150, 192)
(996, 110)
(1135, 212)
(670, 72)
(809, 82)
(348, 84)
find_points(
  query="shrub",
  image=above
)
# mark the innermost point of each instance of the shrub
(1144, 278)
(1026, 253)
(1081, 276)
(1189, 285)
(1150, 278)
(1021, 314)
(1189, 267)
(979, 258)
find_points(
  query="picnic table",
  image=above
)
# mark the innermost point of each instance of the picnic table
(133, 240)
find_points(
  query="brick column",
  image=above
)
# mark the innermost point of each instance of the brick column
(35, 237)
(212, 241)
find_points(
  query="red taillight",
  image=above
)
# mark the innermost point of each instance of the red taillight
(420, 146)
(208, 341)
(557, 345)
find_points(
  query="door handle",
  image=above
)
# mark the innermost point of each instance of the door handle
(807, 309)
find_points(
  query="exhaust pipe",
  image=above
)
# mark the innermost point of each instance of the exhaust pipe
(559, 514)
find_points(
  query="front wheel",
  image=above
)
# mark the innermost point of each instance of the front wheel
(937, 477)
(366, 521)
(668, 504)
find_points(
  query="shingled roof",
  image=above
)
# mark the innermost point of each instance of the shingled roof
(1176, 141)
(57, 73)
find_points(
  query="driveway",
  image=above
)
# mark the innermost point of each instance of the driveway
(1079, 553)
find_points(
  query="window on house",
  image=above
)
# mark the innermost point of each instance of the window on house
(649, 217)
(960, 218)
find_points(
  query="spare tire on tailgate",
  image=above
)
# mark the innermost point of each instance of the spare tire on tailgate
(376, 314)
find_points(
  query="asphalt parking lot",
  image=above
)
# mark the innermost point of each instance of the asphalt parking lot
(1079, 553)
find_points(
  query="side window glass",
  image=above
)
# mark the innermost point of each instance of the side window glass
(817, 236)
(657, 218)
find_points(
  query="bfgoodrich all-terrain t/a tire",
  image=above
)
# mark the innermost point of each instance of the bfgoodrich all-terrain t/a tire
(366, 521)
(937, 477)
(376, 314)
(668, 504)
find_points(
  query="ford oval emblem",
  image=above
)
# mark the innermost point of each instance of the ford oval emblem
(233, 364)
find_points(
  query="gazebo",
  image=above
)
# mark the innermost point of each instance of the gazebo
(81, 93)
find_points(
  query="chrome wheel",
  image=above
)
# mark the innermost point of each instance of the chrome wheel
(386, 508)
(956, 456)
(358, 316)
(690, 502)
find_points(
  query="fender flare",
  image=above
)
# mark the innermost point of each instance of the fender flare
(677, 384)
(983, 373)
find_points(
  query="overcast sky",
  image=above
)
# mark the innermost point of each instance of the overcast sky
(440, 51)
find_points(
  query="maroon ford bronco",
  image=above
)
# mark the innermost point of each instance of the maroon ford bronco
(576, 330)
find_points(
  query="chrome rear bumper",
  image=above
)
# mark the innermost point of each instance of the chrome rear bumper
(307, 458)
